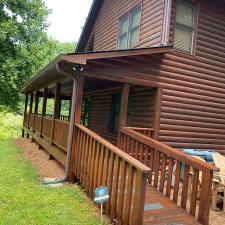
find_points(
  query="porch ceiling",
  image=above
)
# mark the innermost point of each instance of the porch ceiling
(52, 73)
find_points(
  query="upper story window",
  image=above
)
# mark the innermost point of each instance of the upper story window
(129, 29)
(184, 35)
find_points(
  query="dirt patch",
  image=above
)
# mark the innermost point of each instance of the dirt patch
(40, 160)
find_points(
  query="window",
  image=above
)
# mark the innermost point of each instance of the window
(129, 29)
(115, 112)
(184, 35)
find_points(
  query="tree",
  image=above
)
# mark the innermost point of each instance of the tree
(65, 47)
(24, 45)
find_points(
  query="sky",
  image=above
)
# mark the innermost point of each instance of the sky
(67, 18)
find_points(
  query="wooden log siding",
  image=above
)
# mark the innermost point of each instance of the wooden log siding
(98, 163)
(106, 26)
(169, 169)
(142, 110)
(60, 136)
(192, 112)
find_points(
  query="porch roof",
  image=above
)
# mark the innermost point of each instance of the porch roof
(62, 67)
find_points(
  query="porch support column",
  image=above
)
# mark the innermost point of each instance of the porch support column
(123, 110)
(78, 86)
(44, 105)
(31, 107)
(35, 107)
(25, 112)
(157, 113)
(56, 108)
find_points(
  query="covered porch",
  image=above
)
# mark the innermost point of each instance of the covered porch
(107, 140)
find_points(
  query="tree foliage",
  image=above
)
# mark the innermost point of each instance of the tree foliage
(24, 45)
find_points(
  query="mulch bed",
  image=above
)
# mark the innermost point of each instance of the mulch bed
(40, 160)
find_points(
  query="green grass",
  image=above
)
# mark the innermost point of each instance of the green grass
(10, 125)
(24, 201)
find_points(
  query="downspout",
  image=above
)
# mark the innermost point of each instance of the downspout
(71, 127)
(166, 22)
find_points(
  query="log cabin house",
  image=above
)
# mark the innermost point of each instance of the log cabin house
(147, 79)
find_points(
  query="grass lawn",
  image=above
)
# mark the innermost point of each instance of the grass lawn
(24, 201)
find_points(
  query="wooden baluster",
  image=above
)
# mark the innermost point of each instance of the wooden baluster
(163, 173)
(177, 181)
(156, 168)
(91, 188)
(122, 183)
(151, 165)
(85, 178)
(80, 155)
(114, 188)
(132, 147)
(100, 169)
(110, 182)
(128, 196)
(205, 197)
(169, 179)
(83, 158)
(141, 146)
(124, 144)
(136, 150)
(97, 156)
(185, 187)
(105, 167)
(89, 169)
(195, 182)
(146, 155)
(139, 198)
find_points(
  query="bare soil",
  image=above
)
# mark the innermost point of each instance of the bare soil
(52, 169)
(46, 168)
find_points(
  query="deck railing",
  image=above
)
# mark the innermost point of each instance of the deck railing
(99, 163)
(37, 123)
(47, 128)
(26, 119)
(60, 136)
(145, 131)
(31, 120)
(180, 177)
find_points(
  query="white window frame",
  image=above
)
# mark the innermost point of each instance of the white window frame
(129, 30)
(185, 27)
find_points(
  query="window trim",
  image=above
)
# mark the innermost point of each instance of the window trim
(195, 29)
(128, 14)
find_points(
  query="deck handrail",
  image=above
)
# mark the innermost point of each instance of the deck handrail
(172, 152)
(135, 163)
(96, 162)
(169, 168)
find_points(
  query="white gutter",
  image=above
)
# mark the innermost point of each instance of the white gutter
(166, 22)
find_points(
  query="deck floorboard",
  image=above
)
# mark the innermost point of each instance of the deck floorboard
(160, 210)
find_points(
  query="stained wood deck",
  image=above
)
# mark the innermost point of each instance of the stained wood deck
(160, 210)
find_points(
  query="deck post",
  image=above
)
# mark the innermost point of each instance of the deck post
(123, 109)
(44, 105)
(31, 107)
(157, 113)
(77, 99)
(25, 112)
(205, 197)
(36, 101)
(56, 109)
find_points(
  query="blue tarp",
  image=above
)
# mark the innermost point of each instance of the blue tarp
(206, 155)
